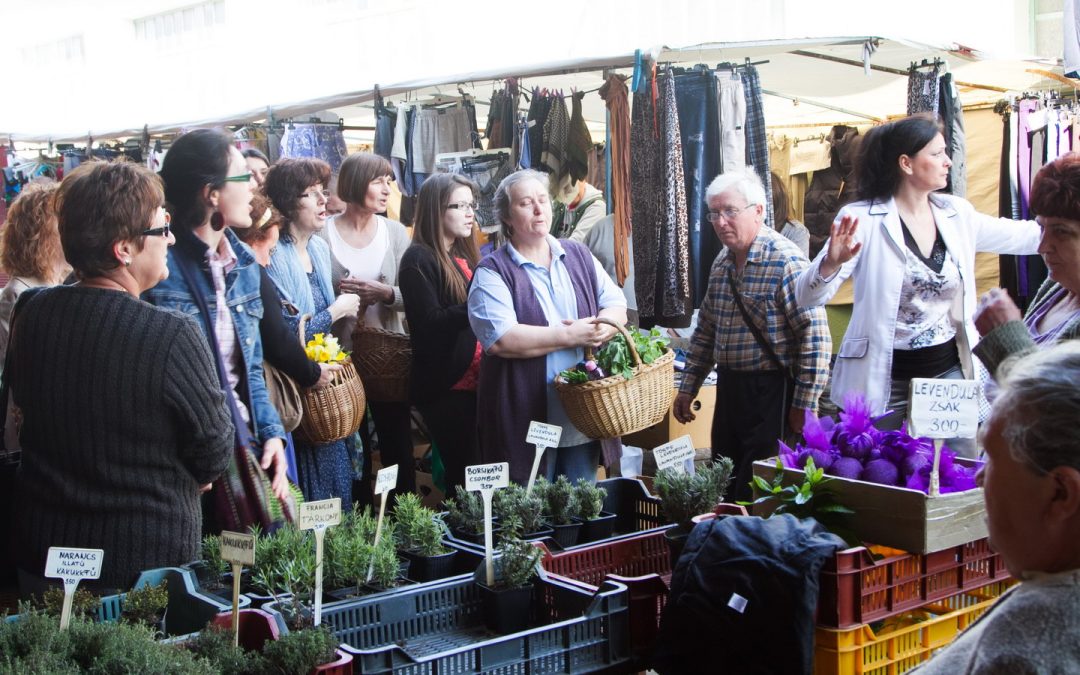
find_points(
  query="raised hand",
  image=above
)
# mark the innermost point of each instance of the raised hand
(842, 245)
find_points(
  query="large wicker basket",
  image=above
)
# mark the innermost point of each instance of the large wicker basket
(615, 406)
(383, 359)
(334, 411)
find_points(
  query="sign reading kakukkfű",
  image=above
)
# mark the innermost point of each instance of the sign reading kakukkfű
(944, 408)
(673, 455)
(238, 548)
(72, 565)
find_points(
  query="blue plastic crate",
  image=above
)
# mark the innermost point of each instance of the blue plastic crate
(439, 628)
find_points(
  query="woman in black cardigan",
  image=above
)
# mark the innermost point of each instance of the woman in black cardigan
(434, 278)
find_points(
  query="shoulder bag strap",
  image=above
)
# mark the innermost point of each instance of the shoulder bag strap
(762, 342)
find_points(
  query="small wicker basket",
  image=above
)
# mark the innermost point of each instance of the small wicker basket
(334, 411)
(383, 359)
(615, 406)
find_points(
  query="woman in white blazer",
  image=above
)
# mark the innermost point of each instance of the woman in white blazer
(911, 253)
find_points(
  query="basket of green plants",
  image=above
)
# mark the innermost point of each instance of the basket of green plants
(625, 387)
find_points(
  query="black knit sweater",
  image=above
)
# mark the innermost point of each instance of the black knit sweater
(123, 420)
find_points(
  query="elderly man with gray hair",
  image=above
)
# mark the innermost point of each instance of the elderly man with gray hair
(1031, 481)
(772, 356)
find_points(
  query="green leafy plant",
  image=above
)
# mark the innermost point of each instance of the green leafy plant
(211, 554)
(214, 644)
(285, 569)
(299, 652)
(615, 357)
(84, 603)
(518, 513)
(811, 499)
(561, 501)
(590, 499)
(683, 496)
(416, 527)
(385, 566)
(465, 511)
(516, 563)
(146, 604)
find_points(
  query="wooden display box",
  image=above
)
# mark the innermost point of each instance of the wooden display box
(909, 520)
(669, 428)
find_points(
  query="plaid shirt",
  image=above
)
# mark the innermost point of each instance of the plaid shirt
(799, 335)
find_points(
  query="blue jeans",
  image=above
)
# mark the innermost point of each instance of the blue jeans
(573, 461)
(699, 127)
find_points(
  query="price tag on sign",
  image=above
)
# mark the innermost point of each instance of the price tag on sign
(673, 455)
(72, 565)
(487, 476)
(386, 479)
(944, 408)
(319, 515)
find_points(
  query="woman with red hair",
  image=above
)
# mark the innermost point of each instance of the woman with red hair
(1054, 313)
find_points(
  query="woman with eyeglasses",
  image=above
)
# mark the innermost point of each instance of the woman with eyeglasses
(434, 276)
(533, 305)
(123, 418)
(367, 249)
(214, 277)
(910, 251)
(300, 267)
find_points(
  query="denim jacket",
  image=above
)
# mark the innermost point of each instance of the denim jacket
(242, 297)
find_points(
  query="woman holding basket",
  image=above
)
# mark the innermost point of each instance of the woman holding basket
(533, 305)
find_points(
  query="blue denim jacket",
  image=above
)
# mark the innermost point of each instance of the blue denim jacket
(242, 297)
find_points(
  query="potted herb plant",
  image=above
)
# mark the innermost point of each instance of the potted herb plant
(312, 650)
(684, 495)
(465, 516)
(285, 571)
(83, 604)
(419, 533)
(308, 650)
(562, 509)
(520, 515)
(147, 606)
(351, 551)
(508, 603)
(595, 522)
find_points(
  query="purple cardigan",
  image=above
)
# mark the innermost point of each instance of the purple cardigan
(512, 392)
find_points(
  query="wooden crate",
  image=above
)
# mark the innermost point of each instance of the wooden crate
(909, 520)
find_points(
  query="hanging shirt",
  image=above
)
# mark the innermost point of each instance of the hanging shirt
(364, 263)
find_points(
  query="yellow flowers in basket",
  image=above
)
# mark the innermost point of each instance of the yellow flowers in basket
(324, 348)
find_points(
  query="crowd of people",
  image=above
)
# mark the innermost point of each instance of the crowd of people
(134, 385)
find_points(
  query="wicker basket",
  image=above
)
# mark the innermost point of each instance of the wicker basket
(383, 359)
(615, 406)
(334, 411)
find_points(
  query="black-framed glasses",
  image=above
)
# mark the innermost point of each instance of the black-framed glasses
(727, 214)
(463, 206)
(242, 178)
(160, 231)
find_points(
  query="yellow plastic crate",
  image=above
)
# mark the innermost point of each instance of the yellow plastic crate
(904, 641)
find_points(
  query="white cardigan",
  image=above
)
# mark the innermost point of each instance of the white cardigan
(864, 362)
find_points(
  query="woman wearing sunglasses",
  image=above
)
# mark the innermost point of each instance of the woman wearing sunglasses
(214, 277)
(300, 267)
(434, 277)
(123, 416)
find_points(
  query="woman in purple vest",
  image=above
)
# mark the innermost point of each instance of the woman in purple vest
(532, 305)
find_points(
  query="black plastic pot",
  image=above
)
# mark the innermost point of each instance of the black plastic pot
(428, 568)
(676, 538)
(474, 538)
(506, 610)
(538, 534)
(566, 535)
(597, 528)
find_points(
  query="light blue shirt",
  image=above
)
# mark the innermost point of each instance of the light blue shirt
(491, 313)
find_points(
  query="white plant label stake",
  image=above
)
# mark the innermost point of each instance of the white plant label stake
(238, 549)
(72, 565)
(941, 409)
(385, 481)
(543, 436)
(487, 478)
(673, 454)
(319, 516)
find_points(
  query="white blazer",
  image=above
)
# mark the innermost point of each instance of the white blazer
(864, 362)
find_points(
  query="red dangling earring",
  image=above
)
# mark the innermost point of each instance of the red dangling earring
(217, 221)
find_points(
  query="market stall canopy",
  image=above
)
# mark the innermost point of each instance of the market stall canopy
(809, 81)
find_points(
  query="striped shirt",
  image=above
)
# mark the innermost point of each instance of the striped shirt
(223, 261)
(799, 336)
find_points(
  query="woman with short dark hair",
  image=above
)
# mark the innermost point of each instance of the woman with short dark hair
(910, 251)
(123, 417)
(214, 277)
(300, 267)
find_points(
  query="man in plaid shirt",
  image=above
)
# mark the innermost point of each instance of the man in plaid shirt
(766, 382)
